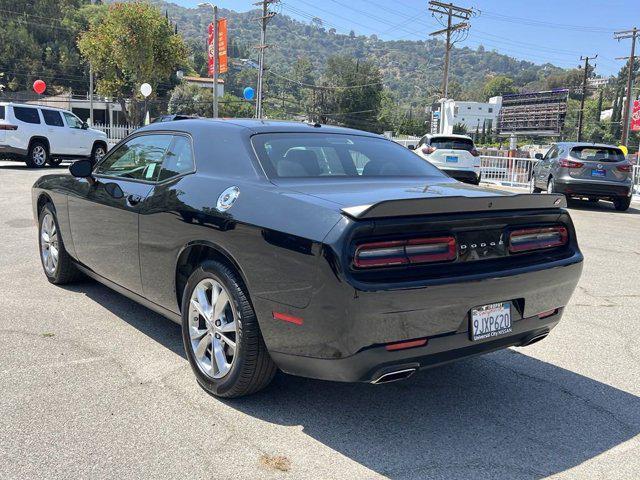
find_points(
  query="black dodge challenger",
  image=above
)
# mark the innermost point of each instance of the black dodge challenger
(325, 252)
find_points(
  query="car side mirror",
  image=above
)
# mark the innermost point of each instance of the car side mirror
(411, 147)
(85, 125)
(538, 156)
(81, 168)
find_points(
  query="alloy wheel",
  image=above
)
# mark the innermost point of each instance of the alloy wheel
(49, 247)
(99, 154)
(213, 328)
(39, 155)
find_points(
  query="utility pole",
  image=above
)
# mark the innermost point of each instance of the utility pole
(216, 67)
(632, 34)
(451, 11)
(91, 94)
(584, 93)
(264, 20)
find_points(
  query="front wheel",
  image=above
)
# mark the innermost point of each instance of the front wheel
(221, 334)
(56, 262)
(622, 204)
(98, 153)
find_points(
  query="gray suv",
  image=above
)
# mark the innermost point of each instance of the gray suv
(585, 170)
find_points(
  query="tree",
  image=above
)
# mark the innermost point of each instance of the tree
(132, 45)
(188, 99)
(499, 85)
(459, 129)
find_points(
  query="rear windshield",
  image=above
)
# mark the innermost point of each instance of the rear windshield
(1, 112)
(597, 154)
(452, 143)
(284, 155)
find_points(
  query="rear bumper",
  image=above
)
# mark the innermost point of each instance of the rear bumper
(592, 189)
(468, 176)
(370, 364)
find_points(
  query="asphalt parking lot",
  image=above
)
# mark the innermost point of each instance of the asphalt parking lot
(93, 385)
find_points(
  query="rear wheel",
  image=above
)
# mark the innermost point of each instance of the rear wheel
(56, 262)
(622, 204)
(38, 155)
(532, 186)
(221, 334)
(54, 162)
(98, 152)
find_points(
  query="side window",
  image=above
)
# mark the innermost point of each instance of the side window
(72, 120)
(26, 114)
(1, 112)
(552, 153)
(422, 141)
(178, 159)
(52, 118)
(139, 159)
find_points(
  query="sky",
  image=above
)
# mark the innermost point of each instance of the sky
(541, 31)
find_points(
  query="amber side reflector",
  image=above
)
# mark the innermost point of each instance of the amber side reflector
(402, 345)
(287, 318)
(548, 313)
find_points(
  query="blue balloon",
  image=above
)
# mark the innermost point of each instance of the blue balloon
(248, 93)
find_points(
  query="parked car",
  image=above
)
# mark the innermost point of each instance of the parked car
(46, 135)
(172, 117)
(272, 249)
(456, 155)
(585, 170)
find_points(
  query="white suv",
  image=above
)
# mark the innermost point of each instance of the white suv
(456, 155)
(38, 135)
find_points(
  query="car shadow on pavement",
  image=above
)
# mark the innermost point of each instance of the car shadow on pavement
(503, 415)
(602, 206)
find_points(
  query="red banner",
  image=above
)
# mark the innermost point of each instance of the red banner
(635, 116)
(222, 47)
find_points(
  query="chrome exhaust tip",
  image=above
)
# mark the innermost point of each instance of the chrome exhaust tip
(394, 376)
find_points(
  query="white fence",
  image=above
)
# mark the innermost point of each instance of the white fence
(512, 172)
(115, 132)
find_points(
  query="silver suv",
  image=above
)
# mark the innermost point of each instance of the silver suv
(585, 170)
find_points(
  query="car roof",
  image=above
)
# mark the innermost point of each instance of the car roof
(16, 104)
(254, 126)
(586, 144)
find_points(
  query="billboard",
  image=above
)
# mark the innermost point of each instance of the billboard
(533, 114)
(635, 116)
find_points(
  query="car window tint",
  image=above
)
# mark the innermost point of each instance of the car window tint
(597, 154)
(1, 112)
(336, 155)
(551, 153)
(52, 118)
(452, 143)
(27, 115)
(72, 120)
(178, 159)
(140, 158)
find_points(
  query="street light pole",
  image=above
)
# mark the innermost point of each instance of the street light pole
(215, 56)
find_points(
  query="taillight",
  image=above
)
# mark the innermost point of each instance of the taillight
(529, 239)
(405, 252)
(565, 162)
(6, 126)
(625, 167)
(428, 150)
(475, 153)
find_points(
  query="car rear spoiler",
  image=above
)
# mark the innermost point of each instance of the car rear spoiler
(437, 205)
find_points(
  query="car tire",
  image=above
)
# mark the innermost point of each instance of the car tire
(532, 186)
(234, 372)
(622, 204)
(56, 262)
(38, 155)
(54, 162)
(97, 153)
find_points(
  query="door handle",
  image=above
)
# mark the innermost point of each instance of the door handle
(133, 200)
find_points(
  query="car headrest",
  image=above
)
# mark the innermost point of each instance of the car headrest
(307, 159)
(287, 168)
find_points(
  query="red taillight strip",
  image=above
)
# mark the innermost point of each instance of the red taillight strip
(537, 238)
(568, 163)
(624, 167)
(402, 345)
(287, 318)
(403, 252)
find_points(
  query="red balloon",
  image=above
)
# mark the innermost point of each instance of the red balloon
(39, 87)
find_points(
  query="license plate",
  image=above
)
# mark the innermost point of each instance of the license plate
(598, 172)
(490, 320)
(450, 159)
